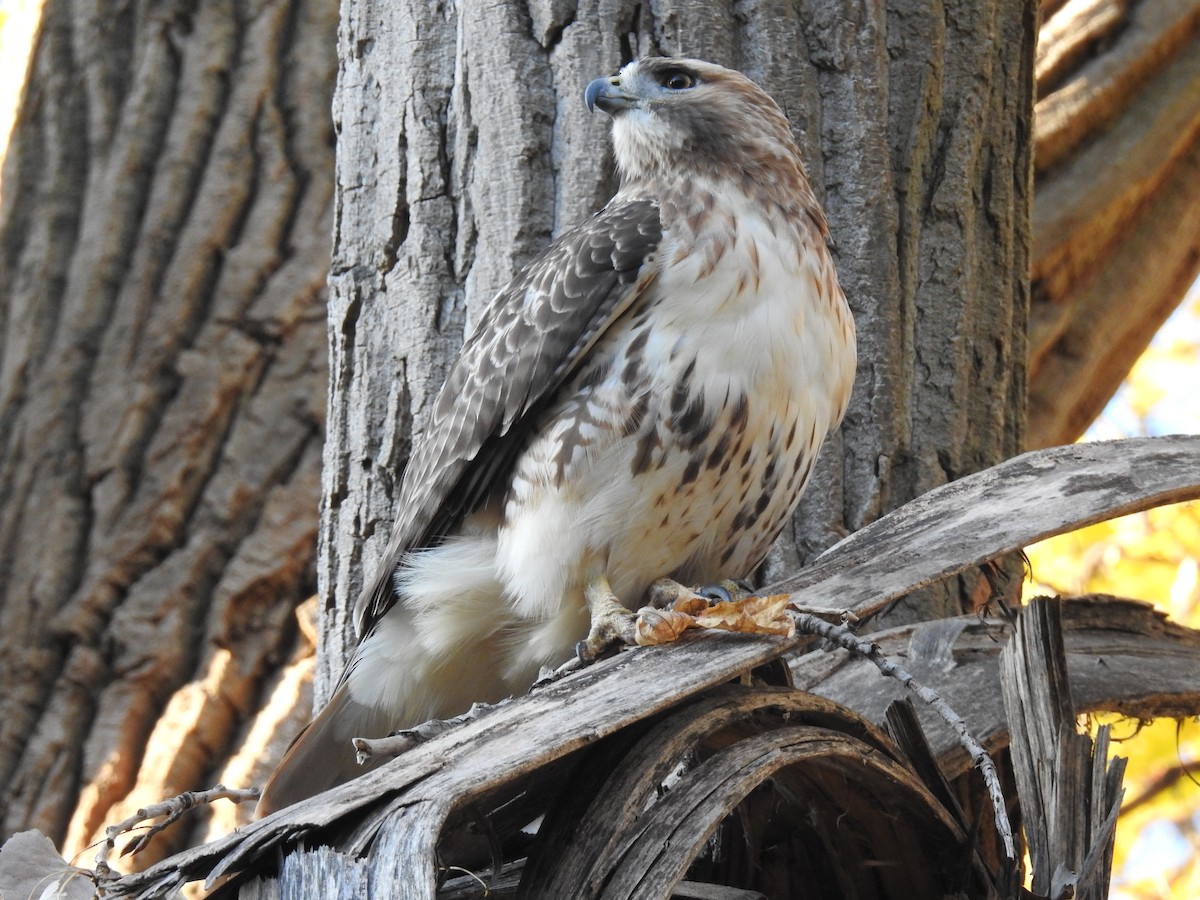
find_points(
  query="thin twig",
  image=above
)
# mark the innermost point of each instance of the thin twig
(848, 640)
(403, 741)
(172, 809)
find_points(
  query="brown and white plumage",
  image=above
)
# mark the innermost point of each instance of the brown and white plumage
(646, 399)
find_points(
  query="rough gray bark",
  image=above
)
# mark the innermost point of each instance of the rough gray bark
(462, 152)
(163, 247)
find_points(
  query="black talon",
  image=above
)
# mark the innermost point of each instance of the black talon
(728, 590)
(715, 593)
(588, 657)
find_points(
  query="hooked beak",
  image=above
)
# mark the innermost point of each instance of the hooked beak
(607, 94)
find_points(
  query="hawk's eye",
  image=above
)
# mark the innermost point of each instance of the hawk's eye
(677, 80)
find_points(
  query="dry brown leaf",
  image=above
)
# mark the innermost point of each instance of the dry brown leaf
(31, 867)
(661, 626)
(693, 605)
(754, 615)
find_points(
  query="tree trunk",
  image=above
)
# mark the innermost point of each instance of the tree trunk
(1117, 210)
(463, 151)
(163, 247)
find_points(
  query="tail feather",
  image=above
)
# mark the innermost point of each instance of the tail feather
(322, 755)
(448, 641)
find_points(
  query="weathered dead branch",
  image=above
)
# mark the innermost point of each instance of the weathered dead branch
(400, 810)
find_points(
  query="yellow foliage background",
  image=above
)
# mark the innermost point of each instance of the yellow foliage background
(1153, 556)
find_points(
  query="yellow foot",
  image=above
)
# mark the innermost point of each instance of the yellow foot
(612, 623)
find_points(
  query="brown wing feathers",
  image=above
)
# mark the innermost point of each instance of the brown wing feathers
(523, 349)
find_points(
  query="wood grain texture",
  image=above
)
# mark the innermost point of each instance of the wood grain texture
(593, 823)
(1070, 791)
(1021, 501)
(1109, 641)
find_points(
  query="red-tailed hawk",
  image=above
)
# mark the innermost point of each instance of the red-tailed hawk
(646, 399)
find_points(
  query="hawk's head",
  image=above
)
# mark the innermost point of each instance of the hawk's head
(677, 116)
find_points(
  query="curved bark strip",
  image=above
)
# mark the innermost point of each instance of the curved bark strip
(594, 820)
(1116, 216)
(614, 832)
(838, 785)
(976, 519)
(163, 255)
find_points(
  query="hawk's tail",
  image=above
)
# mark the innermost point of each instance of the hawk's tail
(322, 755)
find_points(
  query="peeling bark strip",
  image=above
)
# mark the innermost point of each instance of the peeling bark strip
(1002, 509)
(163, 247)
(405, 804)
(1070, 791)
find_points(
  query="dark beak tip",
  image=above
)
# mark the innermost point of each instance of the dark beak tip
(593, 91)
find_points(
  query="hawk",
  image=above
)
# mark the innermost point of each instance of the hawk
(646, 399)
